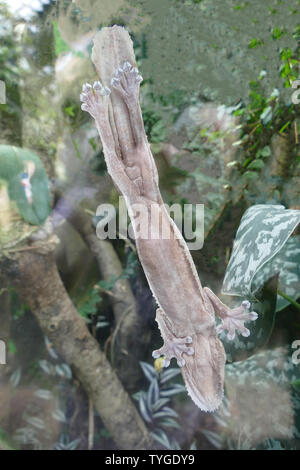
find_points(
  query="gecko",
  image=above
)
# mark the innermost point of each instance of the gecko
(186, 310)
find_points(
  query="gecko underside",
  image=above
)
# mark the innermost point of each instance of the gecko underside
(203, 372)
(201, 355)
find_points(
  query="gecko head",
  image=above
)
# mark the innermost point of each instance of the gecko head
(203, 372)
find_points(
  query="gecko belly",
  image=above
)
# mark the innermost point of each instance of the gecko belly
(203, 372)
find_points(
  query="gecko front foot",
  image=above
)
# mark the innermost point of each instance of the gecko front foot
(92, 98)
(127, 81)
(234, 320)
(173, 346)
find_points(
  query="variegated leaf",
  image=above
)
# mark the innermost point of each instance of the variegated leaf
(287, 264)
(263, 231)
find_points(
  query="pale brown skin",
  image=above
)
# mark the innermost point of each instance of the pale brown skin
(186, 313)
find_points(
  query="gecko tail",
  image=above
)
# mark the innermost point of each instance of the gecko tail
(201, 357)
(203, 373)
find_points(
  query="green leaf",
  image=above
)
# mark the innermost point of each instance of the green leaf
(108, 285)
(149, 371)
(284, 127)
(173, 177)
(12, 347)
(263, 231)
(69, 110)
(256, 165)
(265, 152)
(277, 33)
(169, 374)
(90, 307)
(287, 263)
(158, 132)
(255, 42)
(266, 115)
(296, 384)
(12, 165)
(296, 32)
(214, 438)
(286, 54)
(249, 175)
(59, 44)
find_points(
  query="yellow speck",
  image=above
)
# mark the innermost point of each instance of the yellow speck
(158, 364)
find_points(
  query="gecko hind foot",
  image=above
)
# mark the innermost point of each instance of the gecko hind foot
(235, 319)
(174, 348)
(92, 97)
(127, 81)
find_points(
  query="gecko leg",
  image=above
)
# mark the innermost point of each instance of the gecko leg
(126, 82)
(232, 319)
(95, 101)
(173, 346)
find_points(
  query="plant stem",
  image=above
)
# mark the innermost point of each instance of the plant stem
(289, 299)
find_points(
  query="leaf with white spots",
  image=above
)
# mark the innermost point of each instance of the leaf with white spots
(263, 231)
(15, 377)
(59, 415)
(44, 394)
(287, 264)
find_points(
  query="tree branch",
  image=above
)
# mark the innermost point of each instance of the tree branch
(35, 277)
(131, 337)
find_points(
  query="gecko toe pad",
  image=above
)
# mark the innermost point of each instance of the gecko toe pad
(92, 96)
(127, 80)
(175, 348)
(234, 320)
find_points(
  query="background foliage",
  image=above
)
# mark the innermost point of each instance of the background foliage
(217, 109)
